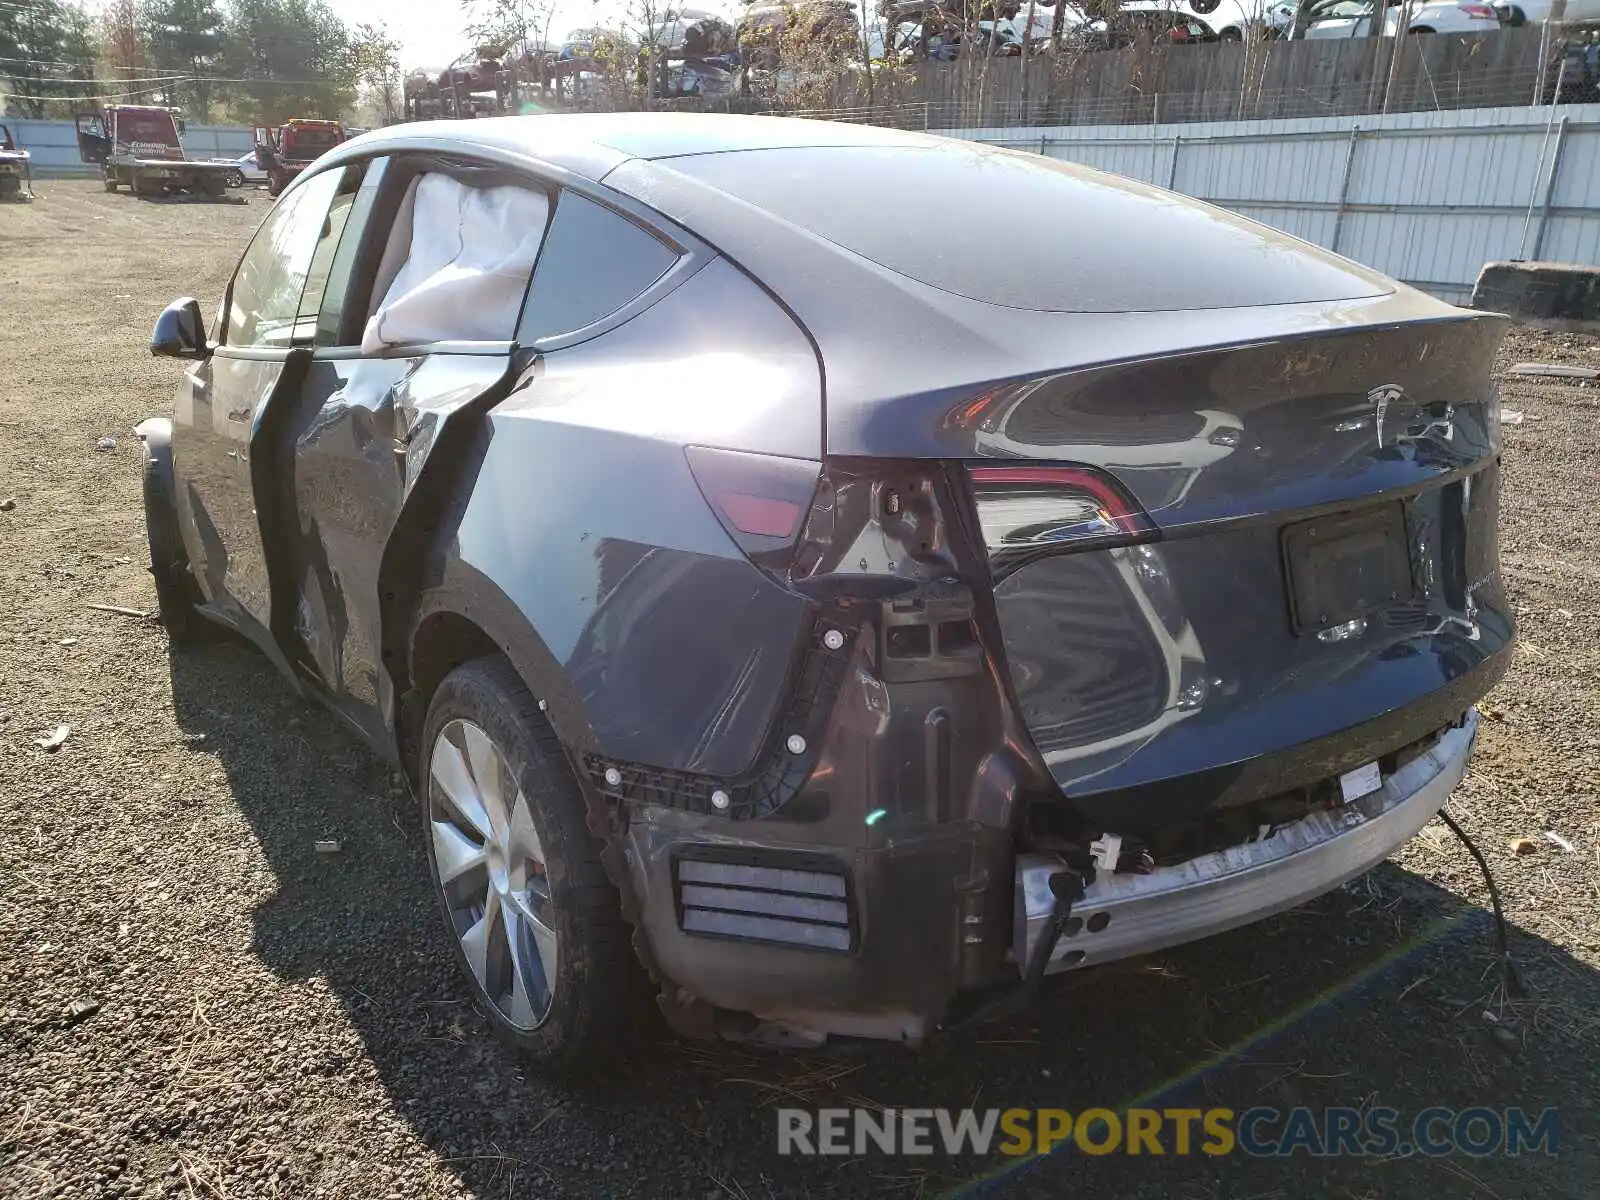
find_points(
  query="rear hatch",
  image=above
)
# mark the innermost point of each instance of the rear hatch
(1278, 565)
(1219, 574)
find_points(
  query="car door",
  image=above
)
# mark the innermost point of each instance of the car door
(94, 145)
(358, 429)
(264, 345)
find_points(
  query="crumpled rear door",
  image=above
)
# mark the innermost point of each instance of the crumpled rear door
(355, 443)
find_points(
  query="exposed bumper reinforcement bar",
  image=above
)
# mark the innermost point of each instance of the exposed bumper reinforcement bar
(1127, 914)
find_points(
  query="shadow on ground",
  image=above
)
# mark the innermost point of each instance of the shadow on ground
(167, 201)
(1371, 996)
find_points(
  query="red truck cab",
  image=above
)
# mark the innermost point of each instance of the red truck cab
(286, 151)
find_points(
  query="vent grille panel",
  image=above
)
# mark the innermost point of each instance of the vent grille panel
(788, 905)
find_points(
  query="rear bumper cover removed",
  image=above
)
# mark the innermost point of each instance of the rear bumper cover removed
(1126, 914)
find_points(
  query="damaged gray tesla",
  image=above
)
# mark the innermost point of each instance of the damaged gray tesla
(772, 580)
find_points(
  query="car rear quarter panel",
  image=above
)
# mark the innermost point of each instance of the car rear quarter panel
(583, 516)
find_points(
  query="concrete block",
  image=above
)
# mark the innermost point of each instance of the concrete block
(1549, 295)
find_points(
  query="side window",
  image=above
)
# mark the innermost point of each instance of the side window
(594, 261)
(456, 262)
(312, 295)
(342, 311)
(264, 302)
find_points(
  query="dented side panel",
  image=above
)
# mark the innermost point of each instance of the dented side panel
(579, 507)
(353, 444)
(676, 648)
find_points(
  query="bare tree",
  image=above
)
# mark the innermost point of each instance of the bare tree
(123, 47)
(511, 30)
(647, 23)
(378, 74)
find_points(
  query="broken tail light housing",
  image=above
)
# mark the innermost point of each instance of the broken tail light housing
(760, 499)
(1025, 512)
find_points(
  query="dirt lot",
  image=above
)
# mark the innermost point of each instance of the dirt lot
(194, 1003)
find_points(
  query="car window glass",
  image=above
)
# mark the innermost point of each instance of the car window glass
(594, 261)
(264, 302)
(344, 291)
(311, 296)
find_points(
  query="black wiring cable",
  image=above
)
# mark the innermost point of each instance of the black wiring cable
(1513, 981)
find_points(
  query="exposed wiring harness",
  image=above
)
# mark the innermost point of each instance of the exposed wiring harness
(1513, 981)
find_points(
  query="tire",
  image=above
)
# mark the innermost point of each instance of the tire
(236, 179)
(177, 593)
(1419, 29)
(1230, 34)
(482, 714)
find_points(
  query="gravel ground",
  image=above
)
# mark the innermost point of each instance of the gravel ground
(195, 1003)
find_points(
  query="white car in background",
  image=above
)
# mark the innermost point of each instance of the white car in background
(1353, 18)
(1531, 12)
(1227, 19)
(1044, 22)
(245, 169)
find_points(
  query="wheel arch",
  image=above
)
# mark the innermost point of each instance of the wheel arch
(156, 434)
(463, 617)
(161, 494)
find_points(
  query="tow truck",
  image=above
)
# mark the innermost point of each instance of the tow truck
(292, 147)
(14, 167)
(140, 147)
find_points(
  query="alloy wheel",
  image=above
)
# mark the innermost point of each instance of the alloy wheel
(491, 871)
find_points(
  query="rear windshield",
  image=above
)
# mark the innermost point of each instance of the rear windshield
(1025, 231)
(156, 127)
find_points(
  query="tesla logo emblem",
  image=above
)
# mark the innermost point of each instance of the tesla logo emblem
(1383, 397)
(1415, 421)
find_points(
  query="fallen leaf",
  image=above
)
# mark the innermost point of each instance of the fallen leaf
(1523, 845)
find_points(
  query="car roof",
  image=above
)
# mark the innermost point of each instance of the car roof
(591, 144)
(757, 181)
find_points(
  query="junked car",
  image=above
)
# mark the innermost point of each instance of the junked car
(15, 169)
(799, 601)
(247, 168)
(1353, 18)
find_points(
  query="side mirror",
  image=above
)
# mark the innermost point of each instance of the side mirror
(180, 331)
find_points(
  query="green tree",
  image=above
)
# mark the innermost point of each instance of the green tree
(185, 38)
(291, 58)
(47, 50)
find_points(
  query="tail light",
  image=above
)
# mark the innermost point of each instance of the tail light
(1025, 511)
(1482, 11)
(761, 499)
